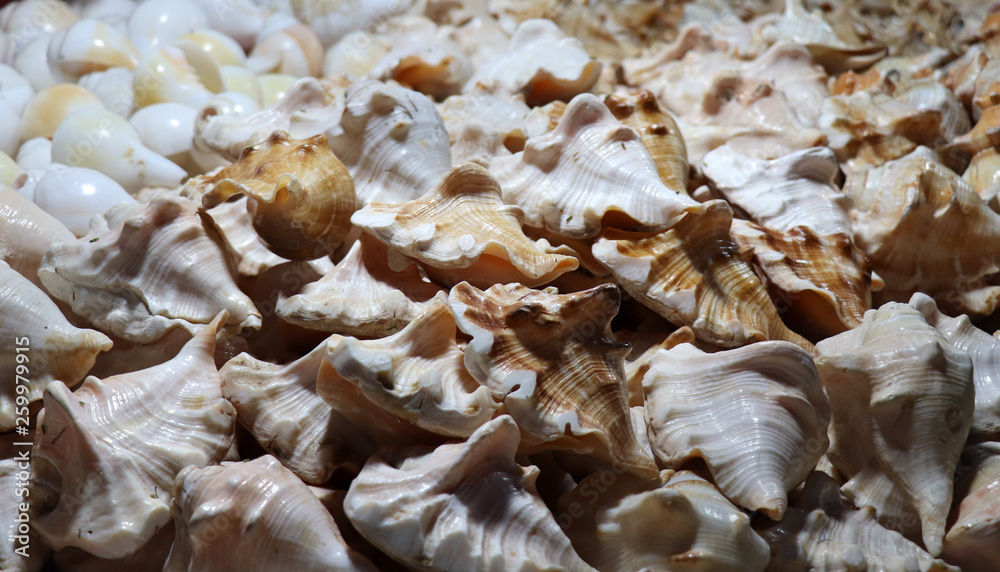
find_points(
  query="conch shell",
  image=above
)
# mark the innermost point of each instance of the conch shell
(973, 541)
(462, 230)
(300, 196)
(92, 495)
(254, 515)
(417, 375)
(694, 275)
(553, 363)
(659, 132)
(467, 506)
(680, 521)
(363, 296)
(822, 532)
(824, 282)
(42, 347)
(591, 171)
(26, 232)
(755, 414)
(902, 400)
(922, 227)
(392, 140)
(144, 269)
(983, 349)
(280, 407)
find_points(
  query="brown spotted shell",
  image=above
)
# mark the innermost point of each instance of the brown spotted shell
(659, 132)
(301, 197)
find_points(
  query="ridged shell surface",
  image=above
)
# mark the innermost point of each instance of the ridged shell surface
(467, 506)
(299, 195)
(902, 400)
(553, 363)
(280, 407)
(756, 415)
(695, 275)
(254, 515)
(106, 455)
(462, 231)
(591, 171)
(145, 269)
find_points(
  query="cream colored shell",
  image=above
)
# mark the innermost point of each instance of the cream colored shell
(428, 509)
(106, 455)
(462, 230)
(254, 515)
(364, 295)
(902, 400)
(973, 541)
(678, 522)
(417, 374)
(42, 347)
(144, 269)
(590, 172)
(280, 407)
(756, 415)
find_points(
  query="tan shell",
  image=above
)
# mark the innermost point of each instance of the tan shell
(364, 295)
(922, 227)
(300, 196)
(984, 135)
(280, 407)
(254, 515)
(462, 230)
(756, 415)
(553, 363)
(678, 522)
(660, 134)
(902, 400)
(417, 374)
(822, 532)
(823, 282)
(867, 129)
(232, 220)
(467, 506)
(694, 275)
(91, 493)
(973, 541)
(145, 269)
(983, 174)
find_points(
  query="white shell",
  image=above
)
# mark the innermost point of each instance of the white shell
(157, 23)
(822, 532)
(167, 417)
(113, 87)
(167, 75)
(89, 46)
(392, 140)
(755, 414)
(144, 269)
(52, 347)
(482, 126)
(427, 509)
(542, 63)
(280, 407)
(15, 90)
(620, 523)
(254, 515)
(795, 190)
(50, 107)
(26, 232)
(363, 296)
(983, 349)
(590, 165)
(101, 140)
(417, 374)
(35, 153)
(902, 400)
(166, 129)
(73, 195)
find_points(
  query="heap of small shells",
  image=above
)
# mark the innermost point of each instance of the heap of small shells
(500, 285)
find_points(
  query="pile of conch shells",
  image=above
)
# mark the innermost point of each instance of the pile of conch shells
(456, 285)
